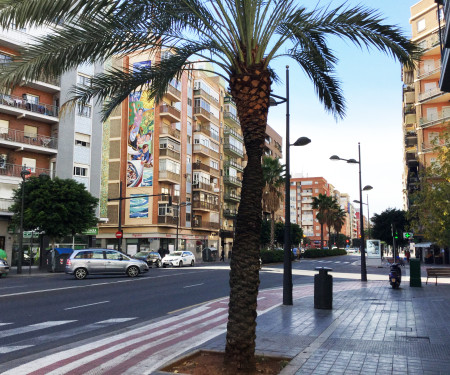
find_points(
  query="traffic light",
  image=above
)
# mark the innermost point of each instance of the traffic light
(396, 235)
(347, 241)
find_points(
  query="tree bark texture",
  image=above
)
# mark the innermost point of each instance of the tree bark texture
(250, 92)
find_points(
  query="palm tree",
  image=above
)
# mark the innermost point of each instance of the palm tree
(241, 38)
(272, 192)
(325, 205)
(339, 216)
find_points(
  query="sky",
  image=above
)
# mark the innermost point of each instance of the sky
(372, 87)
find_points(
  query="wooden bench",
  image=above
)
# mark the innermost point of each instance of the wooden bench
(437, 272)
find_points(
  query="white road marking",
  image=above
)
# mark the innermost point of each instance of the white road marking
(7, 349)
(4, 324)
(190, 286)
(119, 320)
(90, 304)
(33, 327)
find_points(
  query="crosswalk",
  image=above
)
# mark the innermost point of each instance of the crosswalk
(324, 261)
(142, 348)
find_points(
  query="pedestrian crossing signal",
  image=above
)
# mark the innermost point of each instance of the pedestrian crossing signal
(407, 235)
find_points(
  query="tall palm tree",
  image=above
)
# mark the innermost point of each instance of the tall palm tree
(273, 178)
(330, 215)
(339, 216)
(324, 205)
(241, 38)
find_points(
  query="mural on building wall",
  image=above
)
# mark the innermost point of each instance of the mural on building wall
(140, 141)
(138, 206)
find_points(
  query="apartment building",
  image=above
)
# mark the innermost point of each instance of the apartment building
(444, 81)
(426, 108)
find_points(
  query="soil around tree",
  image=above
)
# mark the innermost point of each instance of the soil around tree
(212, 363)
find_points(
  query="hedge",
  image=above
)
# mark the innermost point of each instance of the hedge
(319, 253)
(275, 256)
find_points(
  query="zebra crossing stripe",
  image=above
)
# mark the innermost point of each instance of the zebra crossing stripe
(7, 349)
(33, 327)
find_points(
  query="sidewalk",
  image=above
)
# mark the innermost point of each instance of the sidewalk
(372, 329)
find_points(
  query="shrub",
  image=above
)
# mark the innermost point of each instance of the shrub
(276, 256)
(319, 253)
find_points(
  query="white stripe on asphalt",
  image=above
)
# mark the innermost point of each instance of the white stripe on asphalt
(119, 320)
(4, 324)
(190, 286)
(7, 349)
(33, 327)
(90, 304)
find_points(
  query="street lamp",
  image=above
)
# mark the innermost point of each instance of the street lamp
(361, 220)
(182, 204)
(23, 173)
(302, 141)
(368, 187)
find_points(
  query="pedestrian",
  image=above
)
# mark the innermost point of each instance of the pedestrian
(222, 256)
(408, 255)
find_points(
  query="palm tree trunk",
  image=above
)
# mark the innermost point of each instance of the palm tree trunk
(321, 236)
(272, 230)
(251, 94)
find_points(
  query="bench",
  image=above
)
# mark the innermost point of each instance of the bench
(437, 272)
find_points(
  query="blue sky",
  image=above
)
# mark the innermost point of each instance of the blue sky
(372, 86)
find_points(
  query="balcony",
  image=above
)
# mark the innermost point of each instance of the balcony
(17, 106)
(434, 96)
(175, 199)
(430, 73)
(232, 150)
(441, 118)
(196, 185)
(200, 166)
(170, 177)
(202, 114)
(410, 109)
(227, 131)
(232, 117)
(43, 144)
(169, 153)
(46, 84)
(230, 213)
(205, 206)
(13, 170)
(170, 113)
(431, 146)
(5, 206)
(202, 224)
(173, 94)
(202, 149)
(232, 180)
(233, 164)
(431, 44)
(232, 197)
(167, 130)
(168, 220)
(205, 129)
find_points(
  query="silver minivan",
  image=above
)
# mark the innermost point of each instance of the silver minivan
(102, 262)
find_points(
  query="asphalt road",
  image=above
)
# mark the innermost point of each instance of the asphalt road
(40, 313)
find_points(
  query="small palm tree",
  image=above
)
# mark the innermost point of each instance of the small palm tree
(339, 216)
(242, 38)
(272, 192)
(325, 205)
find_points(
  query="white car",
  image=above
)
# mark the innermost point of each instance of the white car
(179, 259)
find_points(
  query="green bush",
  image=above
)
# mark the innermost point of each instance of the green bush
(319, 253)
(276, 256)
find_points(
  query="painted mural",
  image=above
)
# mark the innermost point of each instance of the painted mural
(140, 142)
(138, 206)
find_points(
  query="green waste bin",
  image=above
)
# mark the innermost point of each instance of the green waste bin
(414, 273)
(323, 289)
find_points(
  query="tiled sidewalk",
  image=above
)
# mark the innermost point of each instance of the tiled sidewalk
(371, 330)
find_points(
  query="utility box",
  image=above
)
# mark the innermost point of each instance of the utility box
(415, 279)
(323, 289)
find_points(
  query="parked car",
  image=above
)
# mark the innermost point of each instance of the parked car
(103, 262)
(151, 257)
(4, 267)
(351, 250)
(179, 259)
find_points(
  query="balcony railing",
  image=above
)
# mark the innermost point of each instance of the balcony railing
(234, 164)
(13, 170)
(201, 166)
(167, 175)
(13, 135)
(430, 94)
(19, 102)
(167, 130)
(205, 206)
(232, 148)
(232, 197)
(175, 92)
(202, 186)
(425, 122)
(422, 73)
(205, 129)
(170, 220)
(172, 111)
(208, 97)
(170, 153)
(205, 224)
(232, 180)
(230, 212)
(431, 146)
(230, 131)
(202, 149)
(203, 112)
(5, 204)
(231, 116)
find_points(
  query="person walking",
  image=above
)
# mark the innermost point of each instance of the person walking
(407, 255)
(222, 256)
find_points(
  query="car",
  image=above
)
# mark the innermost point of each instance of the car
(4, 267)
(103, 262)
(151, 257)
(179, 259)
(351, 250)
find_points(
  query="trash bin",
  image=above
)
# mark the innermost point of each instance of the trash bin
(414, 273)
(323, 289)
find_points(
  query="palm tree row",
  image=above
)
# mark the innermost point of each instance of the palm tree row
(241, 38)
(329, 213)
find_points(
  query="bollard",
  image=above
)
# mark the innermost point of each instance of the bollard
(323, 289)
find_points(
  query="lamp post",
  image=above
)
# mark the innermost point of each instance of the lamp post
(302, 141)
(182, 204)
(361, 220)
(368, 214)
(23, 173)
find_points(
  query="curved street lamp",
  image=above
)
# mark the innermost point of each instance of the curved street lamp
(361, 220)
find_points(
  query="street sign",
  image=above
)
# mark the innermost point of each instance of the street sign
(119, 234)
(407, 235)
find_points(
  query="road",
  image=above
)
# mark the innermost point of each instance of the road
(43, 313)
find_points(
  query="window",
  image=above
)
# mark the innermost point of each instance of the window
(84, 110)
(4, 126)
(82, 140)
(164, 209)
(80, 171)
(83, 80)
(32, 99)
(421, 25)
(113, 255)
(214, 164)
